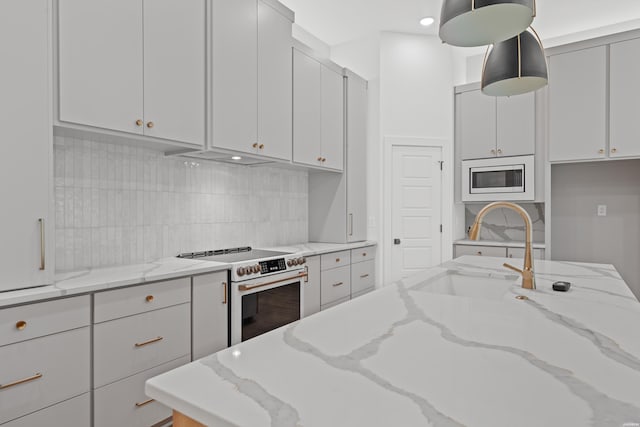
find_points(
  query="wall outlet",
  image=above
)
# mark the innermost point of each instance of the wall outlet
(602, 210)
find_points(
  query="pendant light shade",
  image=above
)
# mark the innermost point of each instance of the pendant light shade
(515, 66)
(469, 23)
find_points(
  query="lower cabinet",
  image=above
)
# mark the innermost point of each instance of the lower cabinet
(72, 412)
(311, 286)
(335, 285)
(210, 314)
(496, 251)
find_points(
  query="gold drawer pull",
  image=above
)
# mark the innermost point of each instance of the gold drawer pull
(335, 285)
(22, 381)
(21, 325)
(337, 259)
(149, 298)
(364, 276)
(146, 402)
(150, 125)
(224, 287)
(142, 344)
(364, 254)
(480, 253)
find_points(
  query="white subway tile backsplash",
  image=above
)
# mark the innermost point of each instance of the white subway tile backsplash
(117, 204)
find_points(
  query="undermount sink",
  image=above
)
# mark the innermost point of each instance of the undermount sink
(481, 285)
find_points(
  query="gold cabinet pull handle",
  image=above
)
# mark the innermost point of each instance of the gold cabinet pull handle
(150, 125)
(364, 276)
(21, 325)
(335, 285)
(22, 381)
(499, 151)
(337, 259)
(614, 150)
(601, 151)
(261, 146)
(493, 151)
(319, 159)
(480, 253)
(224, 287)
(42, 245)
(255, 145)
(306, 274)
(149, 298)
(324, 159)
(146, 402)
(151, 341)
(364, 254)
(139, 122)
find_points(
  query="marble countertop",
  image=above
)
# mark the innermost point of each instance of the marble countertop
(413, 354)
(97, 279)
(509, 244)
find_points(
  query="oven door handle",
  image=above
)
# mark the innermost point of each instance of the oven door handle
(262, 285)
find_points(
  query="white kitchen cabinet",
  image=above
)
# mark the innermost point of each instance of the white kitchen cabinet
(519, 253)
(26, 148)
(210, 314)
(135, 66)
(495, 127)
(335, 284)
(72, 412)
(578, 105)
(624, 92)
(318, 113)
(362, 278)
(312, 286)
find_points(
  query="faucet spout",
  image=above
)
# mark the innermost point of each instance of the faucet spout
(528, 277)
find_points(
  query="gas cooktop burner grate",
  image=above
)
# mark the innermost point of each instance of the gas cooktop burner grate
(216, 252)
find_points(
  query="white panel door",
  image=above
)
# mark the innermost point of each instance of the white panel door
(306, 109)
(174, 70)
(516, 125)
(101, 63)
(25, 147)
(209, 311)
(625, 99)
(578, 105)
(235, 75)
(332, 119)
(356, 159)
(275, 79)
(416, 210)
(477, 130)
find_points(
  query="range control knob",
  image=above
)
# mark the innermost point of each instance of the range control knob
(256, 268)
(241, 271)
(289, 263)
(301, 261)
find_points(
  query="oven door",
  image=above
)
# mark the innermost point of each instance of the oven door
(264, 304)
(504, 178)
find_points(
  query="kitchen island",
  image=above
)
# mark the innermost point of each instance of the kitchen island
(450, 346)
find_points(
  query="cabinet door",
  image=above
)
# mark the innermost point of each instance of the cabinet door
(477, 127)
(72, 412)
(624, 99)
(275, 77)
(235, 74)
(210, 314)
(25, 150)
(519, 253)
(577, 105)
(516, 125)
(100, 63)
(312, 286)
(174, 70)
(306, 109)
(356, 159)
(494, 251)
(332, 119)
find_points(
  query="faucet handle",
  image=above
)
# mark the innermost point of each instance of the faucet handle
(511, 267)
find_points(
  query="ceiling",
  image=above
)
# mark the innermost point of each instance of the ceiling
(339, 21)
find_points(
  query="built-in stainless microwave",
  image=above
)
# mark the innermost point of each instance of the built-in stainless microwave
(500, 178)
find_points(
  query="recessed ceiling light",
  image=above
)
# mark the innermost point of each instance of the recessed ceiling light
(236, 158)
(426, 21)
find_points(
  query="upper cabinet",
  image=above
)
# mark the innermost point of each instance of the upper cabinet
(493, 127)
(251, 93)
(26, 147)
(135, 66)
(318, 113)
(578, 105)
(624, 126)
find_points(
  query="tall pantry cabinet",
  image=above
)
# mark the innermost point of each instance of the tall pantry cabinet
(25, 144)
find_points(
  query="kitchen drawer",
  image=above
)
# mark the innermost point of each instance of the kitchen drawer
(496, 251)
(334, 303)
(335, 260)
(359, 294)
(126, 346)
(519, 253)
(45, 318)
(140, 299)
(335, 284)
(59, 365)
(124, 402)
(363, 254)
(362, 276)
(70, 413)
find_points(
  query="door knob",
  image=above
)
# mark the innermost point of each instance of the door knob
(396, 241)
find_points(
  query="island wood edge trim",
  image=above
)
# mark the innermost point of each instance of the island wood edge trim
(181, 420)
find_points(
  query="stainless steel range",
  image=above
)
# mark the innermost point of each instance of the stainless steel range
(266, 289)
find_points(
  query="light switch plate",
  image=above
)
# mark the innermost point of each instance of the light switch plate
(602, 210)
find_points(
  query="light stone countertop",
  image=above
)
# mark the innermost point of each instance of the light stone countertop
(97, 279)
(499, 244)
(409, 355)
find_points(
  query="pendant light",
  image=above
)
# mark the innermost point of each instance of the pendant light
(515, 66)
(469, 23)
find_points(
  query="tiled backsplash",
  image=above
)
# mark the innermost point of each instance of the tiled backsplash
(119, 204)
(505, 224)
